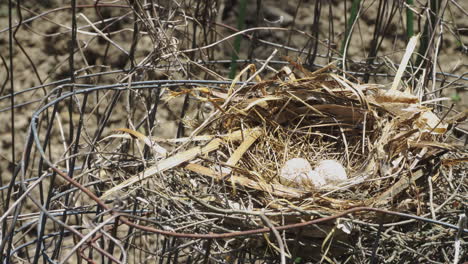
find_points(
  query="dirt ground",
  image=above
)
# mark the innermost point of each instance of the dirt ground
(45, 41)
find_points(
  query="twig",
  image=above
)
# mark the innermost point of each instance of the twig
(461, 224)
(277, 236)
(84, 239)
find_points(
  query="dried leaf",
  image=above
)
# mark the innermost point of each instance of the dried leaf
(397, 188)
(431, 144)
(409, 51)
(262, 102)
(153, 145)
(429, 122)
(394, 96)
(249, 139)
(406, 106)
(452, 162)
(344, 113)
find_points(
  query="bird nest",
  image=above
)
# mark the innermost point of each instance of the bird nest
(384, 139)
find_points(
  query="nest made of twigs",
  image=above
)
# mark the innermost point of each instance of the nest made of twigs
(383, 137)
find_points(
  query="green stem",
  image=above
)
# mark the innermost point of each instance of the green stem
(426, 36)
(349, 25)
(237, 40)
(409, 20)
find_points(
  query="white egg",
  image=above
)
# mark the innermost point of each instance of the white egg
(299, 172)
(295, 170)
(316, 179)
(332, 171)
